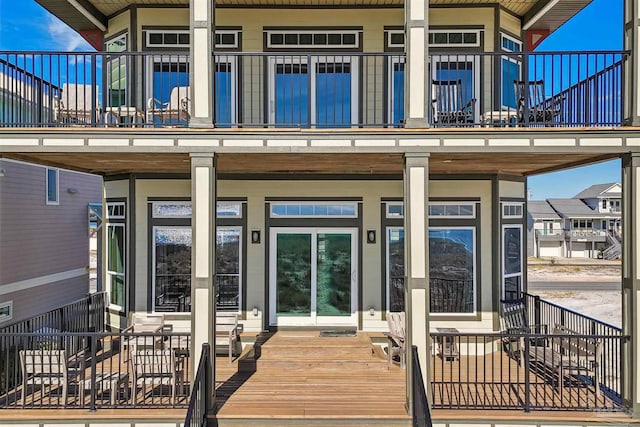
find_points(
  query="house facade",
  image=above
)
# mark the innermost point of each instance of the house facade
(585, 226)
(42, 266)
(315, 165)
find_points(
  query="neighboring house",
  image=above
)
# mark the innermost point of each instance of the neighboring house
(301, 167)
(585, 226)
(44, 237)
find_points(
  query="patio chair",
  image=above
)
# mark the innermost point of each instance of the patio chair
(74, 105)
(45, 367)
(540, 110)
(515, 320)
(144, 323)
(448, 106)
(227, 331)
(156, 368)
(396, 337)
(173, 112)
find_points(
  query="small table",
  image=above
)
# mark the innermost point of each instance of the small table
(136, 116)
(106, 381)
(500, 118)
(447, 346)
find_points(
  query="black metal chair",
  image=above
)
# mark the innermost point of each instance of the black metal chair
(533, 107)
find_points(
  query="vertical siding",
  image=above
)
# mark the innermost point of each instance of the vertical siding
(37, 239)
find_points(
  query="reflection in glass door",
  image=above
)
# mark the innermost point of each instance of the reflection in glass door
(313, 277)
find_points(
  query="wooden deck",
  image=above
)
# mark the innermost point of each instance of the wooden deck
(300, 378)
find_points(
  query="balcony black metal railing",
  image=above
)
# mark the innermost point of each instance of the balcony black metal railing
(312, 90)
(94, 370)
(200, 401)
(535, 89)
(173, 292)
(521, 371)
(421, 409)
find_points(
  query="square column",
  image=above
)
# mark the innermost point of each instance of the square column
(203, 231)
(201, 63)
(417, 80)
(631, 86)
(631, 281)
(416, 265)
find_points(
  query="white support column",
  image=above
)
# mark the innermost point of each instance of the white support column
(416, 263)
(201, 62)
(632, 66)
(631, 281)
(203, 200)
(416, 69)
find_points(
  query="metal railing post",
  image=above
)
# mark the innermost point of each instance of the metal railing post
(94, 346)
(527, 372)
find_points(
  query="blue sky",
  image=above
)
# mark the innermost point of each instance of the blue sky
(24, 25)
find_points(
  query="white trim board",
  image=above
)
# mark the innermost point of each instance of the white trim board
(41, 280)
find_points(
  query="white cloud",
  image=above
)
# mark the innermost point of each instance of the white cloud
(64, 37)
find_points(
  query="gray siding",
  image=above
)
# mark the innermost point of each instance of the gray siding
(34, 301)
(37, 239)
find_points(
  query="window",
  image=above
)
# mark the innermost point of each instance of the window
(511, 261)
(170, 39)
(511, 71)
(454, 38)
(396, 89)
(171, 257)
(451, 210)
(310, 210)
(115, 210)
(452, 258)
(116, 265)
(465, 68)
(317, 39)
(53, 192)
(604, 204)
(512, 210)
(116, 69)
(581, 224)
(6, 311)
(395, 38)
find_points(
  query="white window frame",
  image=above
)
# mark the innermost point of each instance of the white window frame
(110, 273)
(454, 45)
(457, 203)
(116, 204)
(6, 317)
(121, 37)
(520, 274)
(388, 213)
(237, 228)
(475, 270)
(148, 42)
(57, 184)
(506, 207)
(390, 44)
(393, 60)
(387, 232)
(355, 45)
(302, 59)
(313, 203)
(474, 60)
(169, 202)
(512, 60)
(153, 260)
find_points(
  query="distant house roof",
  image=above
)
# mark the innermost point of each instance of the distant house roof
(540, 209)
(575, 208)
(596, 191)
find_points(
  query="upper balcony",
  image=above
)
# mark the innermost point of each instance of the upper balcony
(312, 90)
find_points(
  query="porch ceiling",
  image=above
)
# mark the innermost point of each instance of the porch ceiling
(100, 10)
(364, 164)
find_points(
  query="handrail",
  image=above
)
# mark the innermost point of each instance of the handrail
(421, 410)
(200, 402)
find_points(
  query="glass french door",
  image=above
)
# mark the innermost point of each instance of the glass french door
(465, 68)
(316, 91)
(313, 277)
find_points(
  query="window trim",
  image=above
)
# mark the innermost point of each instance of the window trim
(387, 230)
(6, 317)
(272, 204)
(109, 273)
(452, 203)
(477, 32)
(509, 58)
(152, 261)
(506, 215)
(521, 273)
(356, 33)
(57, 184)
(118, 204)
(391, 93)
(474, 231)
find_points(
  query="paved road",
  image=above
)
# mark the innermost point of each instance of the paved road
(575, 286)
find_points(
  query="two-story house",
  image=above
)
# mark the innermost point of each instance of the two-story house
(321, 165)
(587, 225)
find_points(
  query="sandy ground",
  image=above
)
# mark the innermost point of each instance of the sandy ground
(602, 305)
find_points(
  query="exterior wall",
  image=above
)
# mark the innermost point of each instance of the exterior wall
(371, 193)
(510, 23)
(118, 23)
(43, 246)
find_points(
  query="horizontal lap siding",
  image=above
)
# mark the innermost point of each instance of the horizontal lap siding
(33, 301)
(37, 239)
